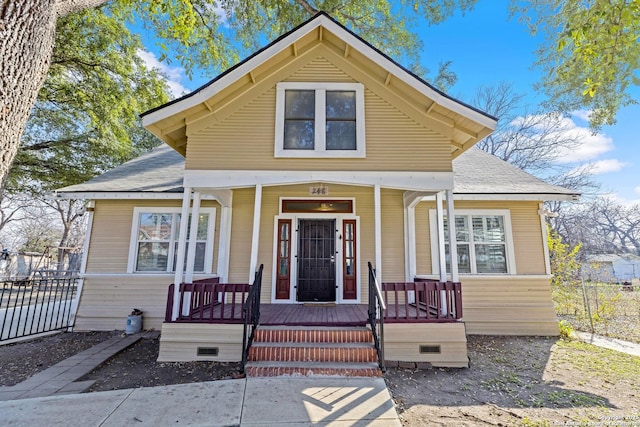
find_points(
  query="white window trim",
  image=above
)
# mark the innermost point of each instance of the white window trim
(133, 244)
(508, 235)
(320, 150)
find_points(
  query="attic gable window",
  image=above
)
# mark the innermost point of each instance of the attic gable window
(320, 120)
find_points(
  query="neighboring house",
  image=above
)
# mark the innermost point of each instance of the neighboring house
(612, 268)
(314, 157)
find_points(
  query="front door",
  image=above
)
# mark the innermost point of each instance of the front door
(317, 260)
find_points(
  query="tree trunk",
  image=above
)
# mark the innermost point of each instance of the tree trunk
(27, 29)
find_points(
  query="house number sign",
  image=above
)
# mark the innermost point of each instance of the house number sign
(319, 190)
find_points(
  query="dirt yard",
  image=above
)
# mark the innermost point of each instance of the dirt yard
(512, 381)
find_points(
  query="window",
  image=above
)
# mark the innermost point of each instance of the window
(320, 120)
(483, 241)
(155, 235)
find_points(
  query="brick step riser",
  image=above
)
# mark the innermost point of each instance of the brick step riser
(268, 371)
(313, 354)
(312, 336)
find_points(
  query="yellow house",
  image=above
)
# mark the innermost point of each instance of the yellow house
(322, 174)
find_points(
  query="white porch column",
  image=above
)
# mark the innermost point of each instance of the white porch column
(90, 208)
(257, 207)
(545, 238)
(441, 243)
(193, 236)
(453, 245)
(442, 251)
(182, 243)
(224, 244)
(377, 203)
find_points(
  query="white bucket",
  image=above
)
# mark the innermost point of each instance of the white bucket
(134, 324)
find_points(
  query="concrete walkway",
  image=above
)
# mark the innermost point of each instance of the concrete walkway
(610, 343)
(53, 396)
(62, 377)
(295, 401)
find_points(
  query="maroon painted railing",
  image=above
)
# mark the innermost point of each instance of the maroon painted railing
(429, 301)
(207, 301)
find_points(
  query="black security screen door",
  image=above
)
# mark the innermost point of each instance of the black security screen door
(316, 260)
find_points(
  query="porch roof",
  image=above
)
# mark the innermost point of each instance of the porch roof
(160, 173)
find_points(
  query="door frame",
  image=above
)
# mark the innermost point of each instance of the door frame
(293, 266)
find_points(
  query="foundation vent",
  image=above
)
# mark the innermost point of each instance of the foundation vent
(207, 351)
(429, 349)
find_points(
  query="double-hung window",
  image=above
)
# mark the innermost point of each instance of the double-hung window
(155, 235)
(320, 120)
(483, 242)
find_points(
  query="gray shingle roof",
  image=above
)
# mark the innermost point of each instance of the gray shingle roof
(478, 172)
(157, 171)
(161, 171)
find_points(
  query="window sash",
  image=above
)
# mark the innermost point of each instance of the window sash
(155, 237)
(483, 240)
(336, 127)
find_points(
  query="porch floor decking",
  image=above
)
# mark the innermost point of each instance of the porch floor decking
(313, 315)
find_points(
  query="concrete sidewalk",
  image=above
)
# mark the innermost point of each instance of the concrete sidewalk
(293, 401)
(610, 343)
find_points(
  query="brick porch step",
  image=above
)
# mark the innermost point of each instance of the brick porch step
(308, 351)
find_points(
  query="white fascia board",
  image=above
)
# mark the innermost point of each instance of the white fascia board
(346, 36)
(125, 196)
(538, 197)
(399, 72)
(417, 181)
(233, 75)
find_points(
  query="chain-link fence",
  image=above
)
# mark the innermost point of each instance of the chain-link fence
(604, 309)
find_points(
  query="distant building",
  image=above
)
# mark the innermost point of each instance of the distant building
(612, 268)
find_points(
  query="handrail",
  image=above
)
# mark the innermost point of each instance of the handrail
(376, 315)
(251, 311)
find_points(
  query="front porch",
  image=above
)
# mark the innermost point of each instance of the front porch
(422, 302)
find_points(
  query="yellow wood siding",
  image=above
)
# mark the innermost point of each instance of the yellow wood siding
(241, 233)
(111, 232)
(402, 343)
(179, 342)
(393, 247)
(107, 301)
(525, 225)
(508, 306)
(244, 140)
(271, 207)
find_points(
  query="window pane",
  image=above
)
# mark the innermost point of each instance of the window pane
(155, 226)
(341, 105)
(203, 222)
(341, 135)
(284, 267)
(198, 265)
(300, 104)
(152, 256)
(464, 264)
(491, 259)
(299, 134)
(488, 229)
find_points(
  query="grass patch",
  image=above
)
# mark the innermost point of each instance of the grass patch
(608, 365)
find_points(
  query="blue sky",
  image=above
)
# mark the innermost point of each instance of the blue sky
(487, 47)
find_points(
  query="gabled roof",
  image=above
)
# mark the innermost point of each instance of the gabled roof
(476, 173)
(467, 124)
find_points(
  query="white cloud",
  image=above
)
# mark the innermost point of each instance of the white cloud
(606, 166)
(583, 115)
(590, 146)
(637, 189)
(173, 75)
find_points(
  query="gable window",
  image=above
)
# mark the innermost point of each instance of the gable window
(320, 120)
(483, 241)
(155, 235)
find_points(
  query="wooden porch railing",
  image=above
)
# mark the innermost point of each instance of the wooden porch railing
(207, 301)
(422, 302)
